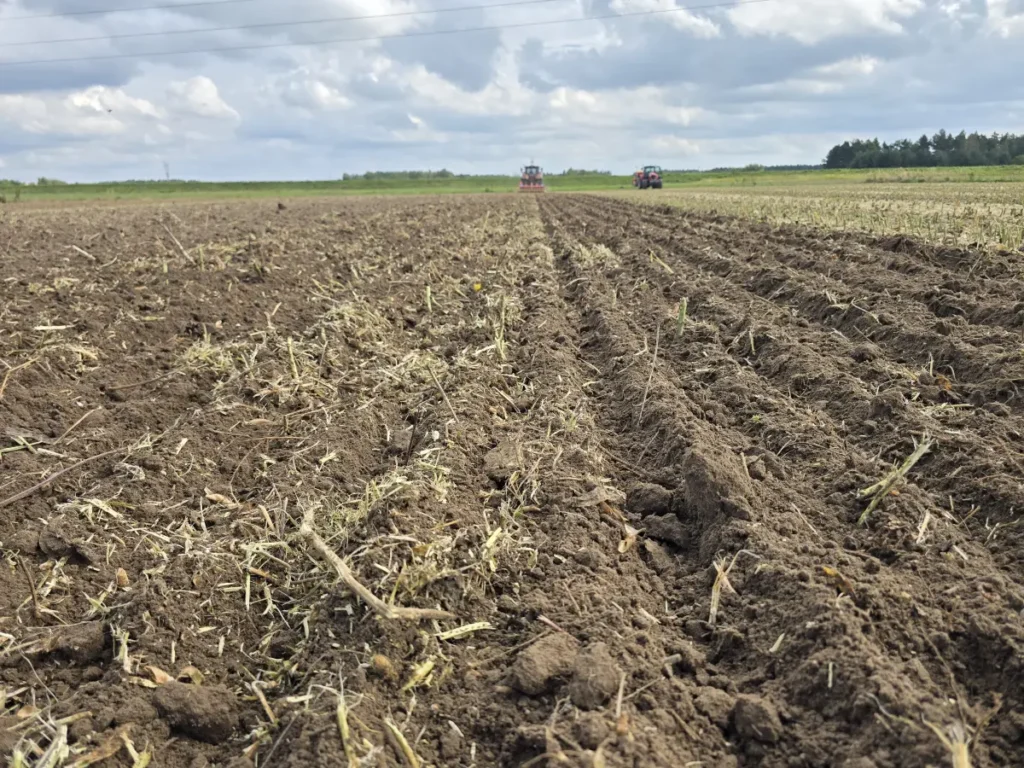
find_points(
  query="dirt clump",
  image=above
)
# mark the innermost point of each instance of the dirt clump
(687, 657)
(595, 677)
(209, 714)
(715, 704)
(135, 709)
(80, 643)
(711, 478)
(658, 557)
(25, 542)
(756, 719)
(58, 540)
(647, 499)
(501, 461)
(538, 667)
(667, 528)
(590, 729)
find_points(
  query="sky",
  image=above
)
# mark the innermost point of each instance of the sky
(138, 89)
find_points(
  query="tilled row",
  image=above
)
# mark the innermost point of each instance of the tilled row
(895, 253)
(710, 367)
(871, 399)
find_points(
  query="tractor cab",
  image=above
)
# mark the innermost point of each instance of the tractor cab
(650, 177)
(531, 179)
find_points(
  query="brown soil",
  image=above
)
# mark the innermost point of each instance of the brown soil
(648, 536)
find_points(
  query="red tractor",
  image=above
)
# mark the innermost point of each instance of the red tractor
(532, 179)
(648, 178)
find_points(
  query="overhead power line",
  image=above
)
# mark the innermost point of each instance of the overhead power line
(380, 38)
(106, 11)
(276, 24)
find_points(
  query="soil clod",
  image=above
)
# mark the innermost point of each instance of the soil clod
(647, 499)
(667, 528)
(716, 705)
(540, 665)
(57, 540)
(591, 729)
(209, 714)
(756, 719)
(501, 461)
(660, 560)
(81, 643)
(595, 677)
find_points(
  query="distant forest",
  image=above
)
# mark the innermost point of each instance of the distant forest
(942, 149)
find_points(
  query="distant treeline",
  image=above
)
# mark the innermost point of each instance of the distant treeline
(583, 172)
(41, 182)
(444, 173)
(751, 168)
(942, 149)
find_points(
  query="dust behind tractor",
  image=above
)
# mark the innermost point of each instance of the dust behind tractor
(648, 178)
(532, 179)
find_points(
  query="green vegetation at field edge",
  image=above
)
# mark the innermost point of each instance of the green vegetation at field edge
(386, 185)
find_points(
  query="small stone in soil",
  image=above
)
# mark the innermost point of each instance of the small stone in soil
(209, 714)
(537, 667)
(595, 678)
(756, 719)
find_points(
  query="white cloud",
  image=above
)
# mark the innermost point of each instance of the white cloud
(24, 111)
(811, 21)
(1002, 21)
(504, 95)
(852, 67)
(620, 107)
(100, 99)
(97, 110)
(823, 80)
(675, 146)
(420, 133)
(312, 93)
(674, 15)
(199, 96)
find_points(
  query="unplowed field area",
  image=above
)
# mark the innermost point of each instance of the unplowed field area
(620, 486)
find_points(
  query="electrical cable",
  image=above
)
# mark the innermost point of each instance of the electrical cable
(111, 11)
(379, 38)
(273, 24)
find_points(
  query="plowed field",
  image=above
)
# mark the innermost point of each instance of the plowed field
(668, 489)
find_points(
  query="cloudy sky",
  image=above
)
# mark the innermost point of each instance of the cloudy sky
(385, 85)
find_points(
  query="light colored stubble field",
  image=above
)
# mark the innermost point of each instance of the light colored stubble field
(990, 214)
